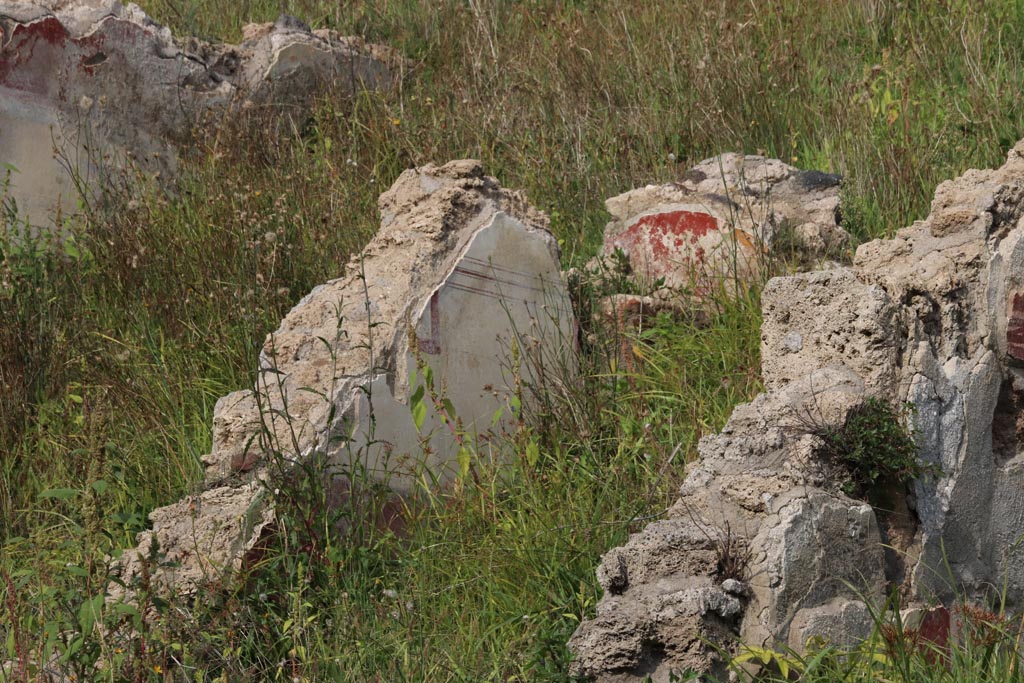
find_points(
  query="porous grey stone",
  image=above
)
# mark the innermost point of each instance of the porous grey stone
(839, 623)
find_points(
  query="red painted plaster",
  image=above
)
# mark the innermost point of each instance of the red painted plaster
(666, 233)
(933, 634)
(31, 41)
(1015, 328)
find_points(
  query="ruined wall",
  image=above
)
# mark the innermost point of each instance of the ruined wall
(460, 272)
(932, 317)
(90, 88)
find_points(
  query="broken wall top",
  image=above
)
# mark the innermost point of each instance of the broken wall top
(428, 218)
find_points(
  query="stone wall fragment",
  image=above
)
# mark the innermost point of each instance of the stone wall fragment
(759, 495)
(92, 87)
(462, 277)
(718, 224)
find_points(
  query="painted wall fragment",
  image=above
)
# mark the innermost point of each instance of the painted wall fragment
(90, 88)
(718, 223)
(671, 248)
(462, 278)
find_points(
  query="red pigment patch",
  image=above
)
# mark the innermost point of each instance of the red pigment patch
(1015, 329)
(21, 49)
(245, 461)
(933, 633)
(673, 228)
(49, 29)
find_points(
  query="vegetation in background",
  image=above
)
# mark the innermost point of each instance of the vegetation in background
(115, 346)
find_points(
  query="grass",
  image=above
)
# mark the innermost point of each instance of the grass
(115, 346)
(980, 645)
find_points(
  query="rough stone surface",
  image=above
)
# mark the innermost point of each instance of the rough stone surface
(759, 496)
(931, 317)
(718, 223)
(840, 623)
(459, 273)
(832, 317)
(89, 88)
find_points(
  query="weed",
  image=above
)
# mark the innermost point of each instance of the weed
(876, 444)
(733, 556)
(982, 646)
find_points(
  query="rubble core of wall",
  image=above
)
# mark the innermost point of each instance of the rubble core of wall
(933, 317)
(90, 88)
(462, 276)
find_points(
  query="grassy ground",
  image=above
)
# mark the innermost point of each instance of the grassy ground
(114, 346)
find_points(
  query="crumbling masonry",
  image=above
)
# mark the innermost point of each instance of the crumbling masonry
(933, 317)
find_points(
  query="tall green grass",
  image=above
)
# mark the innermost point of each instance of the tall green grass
(976, 644)
(115, 345)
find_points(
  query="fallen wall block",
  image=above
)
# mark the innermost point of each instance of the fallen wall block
(720, 228)
(719, 223)
(89, 88)
(931, 317)
(460, 272)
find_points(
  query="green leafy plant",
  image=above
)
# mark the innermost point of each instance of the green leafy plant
(876, 443)
(63, 622)
(783, 662)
